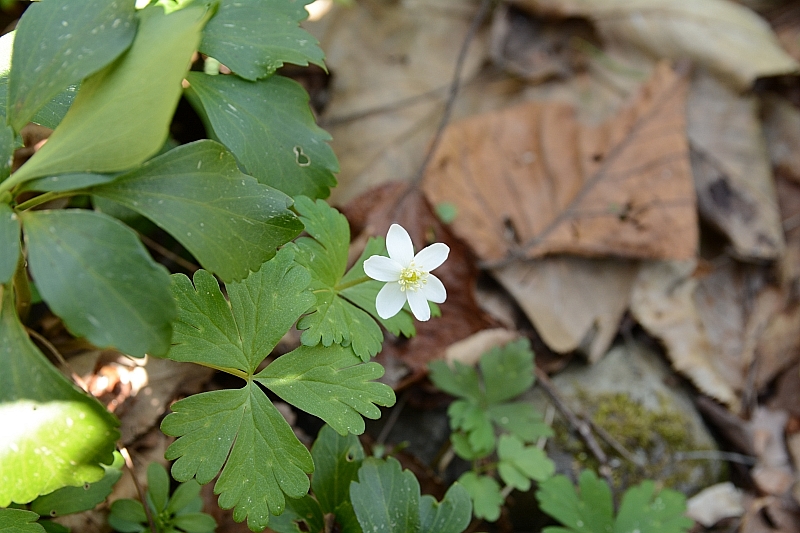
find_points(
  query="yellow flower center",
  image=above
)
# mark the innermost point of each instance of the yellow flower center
(412, 278)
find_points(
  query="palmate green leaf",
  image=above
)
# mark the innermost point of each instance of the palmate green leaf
(643, 508)
(19, 521)
(519, 464)
(485, 494)
(9, 242)
(238, 338)
(53, 434)
(507, 371)
(331, 383)
(520, 419)
(458, 380)
(60, 42)
(69, 500)
(227, 220)
(452, 515)
(324, 254)
(269, 126)
(476, 425)
(255, 37)
(591, 511)
(300, 516)
(266, 460)
(386, 498)
(122, 113)
(95, 274)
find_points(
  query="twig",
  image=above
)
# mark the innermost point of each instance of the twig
(391, 420)
(714, 455)
(169, 254)
(52, 349)
(581, 426)
(617, 445)
(455, 85)
(129, 465)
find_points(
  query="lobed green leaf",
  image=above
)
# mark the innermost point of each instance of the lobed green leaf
(519, 464)
(589, 512)
(60, 42)
(95, 274)
(331, 383)
(643, 508)
(458, 380)
(485, 494)
(226, 219)
(386, 498)
(255, 37)
(19, 521)
(269, 126)
(507, 371)
(451, 515)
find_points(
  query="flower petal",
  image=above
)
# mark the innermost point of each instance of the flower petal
(390, 300)
(432, 256)
(434, 290)
(419, 305)
(399, 245)
(382, 268)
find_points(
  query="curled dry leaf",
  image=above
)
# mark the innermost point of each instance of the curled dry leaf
(714, 503)
(722, 35)
(531, 180)
(470, 350)
(732, 172)
(573, 302)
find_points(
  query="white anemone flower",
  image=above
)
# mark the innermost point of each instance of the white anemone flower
(407, 276)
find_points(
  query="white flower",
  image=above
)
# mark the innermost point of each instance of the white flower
(407, 276)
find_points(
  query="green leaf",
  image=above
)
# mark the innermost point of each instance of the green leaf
(95, 274)
(19, 521)
(507, 371)
(127, 516)
(364, 295)
(337, 459)
(122, 113)
(60, 42)
(226, 219)
(53, 527)
(266, 460)
(185, 496)
(452, 515)
(54, 435)
(331, 383)
(301, 516)
(645, 510)
(589, 512)
(255, 37)
(458, 380)
(54, 111)
(195, 523)
(485, 494)
(158, 486)
(71, 500)
(9, 243)
(66, 182)
(520, 419)
(519, 464)
(475, 422)
(269, 127)
(263, 307)
(386, 499)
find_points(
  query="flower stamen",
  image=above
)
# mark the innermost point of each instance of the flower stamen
(412, 278)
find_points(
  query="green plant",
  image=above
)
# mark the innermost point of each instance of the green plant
(107, 77)
(482, 411)
(644, 509)
(170, 514)
(359, 494)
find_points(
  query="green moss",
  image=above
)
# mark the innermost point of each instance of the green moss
(652, 436)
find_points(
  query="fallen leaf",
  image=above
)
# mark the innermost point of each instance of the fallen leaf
(782, 131)
(731, 167)
(531, 180)
(722, 35)
(572, 302)
(714, 503)
(470, 350)
(537, 48)
(392, 63)
(371, 214)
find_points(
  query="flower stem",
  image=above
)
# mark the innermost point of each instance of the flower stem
(42, 198)
(353, 283)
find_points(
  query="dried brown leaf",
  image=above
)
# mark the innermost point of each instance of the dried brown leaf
(532, 180)
(732, 172)
(722, 35)
(573, 302)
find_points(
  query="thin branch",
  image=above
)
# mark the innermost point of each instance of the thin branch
(169, 254)
(391, 420)
(139, 490)
(60, 358)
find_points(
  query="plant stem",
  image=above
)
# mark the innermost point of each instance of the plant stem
(357, 281)
(232, 371)
(43, 198)
(22, 289)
